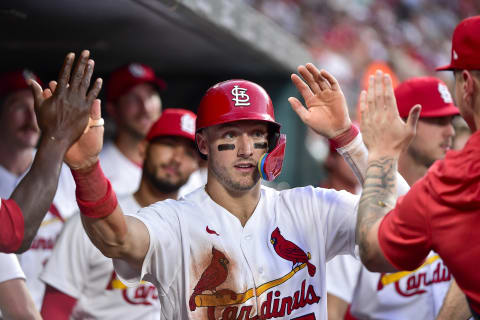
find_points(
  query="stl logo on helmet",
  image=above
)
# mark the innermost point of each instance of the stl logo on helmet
(240, 97)
(444, 93)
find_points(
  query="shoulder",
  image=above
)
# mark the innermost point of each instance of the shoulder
(317, 194)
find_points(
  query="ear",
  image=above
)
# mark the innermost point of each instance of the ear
(468, 87)
(201, 139)
(142, 148)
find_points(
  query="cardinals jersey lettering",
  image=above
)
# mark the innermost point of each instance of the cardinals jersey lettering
(205, 265)
(417, 294)
(78, 269)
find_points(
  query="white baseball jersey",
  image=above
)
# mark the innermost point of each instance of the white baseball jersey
(123, 174)
(400, 295)
(205, 264)
(10, 268)
(196, 180)
(63, 206)
(78, 269)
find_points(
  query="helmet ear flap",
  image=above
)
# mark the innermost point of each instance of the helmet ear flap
(273, 136)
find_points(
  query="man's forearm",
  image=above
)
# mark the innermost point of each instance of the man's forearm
(35, 193)
(455, 305)
(378, 197)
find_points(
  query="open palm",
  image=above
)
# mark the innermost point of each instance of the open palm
(326, 110)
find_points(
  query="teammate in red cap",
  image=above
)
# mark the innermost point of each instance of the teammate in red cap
(80, 281)
(234, 248)
(392, 296)
(134, 103)
(441, 210)
(62, 118)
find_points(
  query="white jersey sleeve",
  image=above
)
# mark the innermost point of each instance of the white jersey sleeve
(342, 275)
(164, 246)
(69, 264)
(10, 268)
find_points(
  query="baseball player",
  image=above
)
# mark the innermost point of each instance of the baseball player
(406, 295)
(31, 200)
(440, 211)
(134, 103)
(81, 282)
(15, 301)
(233, 249)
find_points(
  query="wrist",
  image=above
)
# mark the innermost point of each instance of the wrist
(345, 137)
(374, 155)
(94, 193)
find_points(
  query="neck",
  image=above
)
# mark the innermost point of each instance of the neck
(241, 204)
(129, 146)
(410, 170)
(16, 160)
(147, 194)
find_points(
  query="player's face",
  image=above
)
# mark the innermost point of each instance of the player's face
(234, 150)
(18, 121)
(433, 139)
(138, 109)
(169, 162)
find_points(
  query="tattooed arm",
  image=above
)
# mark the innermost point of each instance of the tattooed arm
(385, 135)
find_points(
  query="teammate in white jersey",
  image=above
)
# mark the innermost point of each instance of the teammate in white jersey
(81, 282)
(134, 103)
(62, 117)
(234, 249)
(403, 295)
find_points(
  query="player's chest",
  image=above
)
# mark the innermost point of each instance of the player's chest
(262, 269)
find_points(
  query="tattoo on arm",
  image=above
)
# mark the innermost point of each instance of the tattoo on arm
(378, 197)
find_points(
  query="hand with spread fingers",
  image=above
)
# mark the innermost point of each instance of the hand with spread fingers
(326, 109)
(63, 113)
(383, 131)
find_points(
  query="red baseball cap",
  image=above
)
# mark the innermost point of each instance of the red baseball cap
(126, 77)
(174, 122)
(16, 80)
(431, 93)
(465, 46)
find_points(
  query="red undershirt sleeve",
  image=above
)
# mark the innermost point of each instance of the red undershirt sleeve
(57, 305)
(11, 226)
(404, 233)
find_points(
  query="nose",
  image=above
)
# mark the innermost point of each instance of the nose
(245, 147)
(449, 130)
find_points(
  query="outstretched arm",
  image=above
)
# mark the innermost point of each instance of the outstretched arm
(386, 136)
(62, 118)
(115, 235)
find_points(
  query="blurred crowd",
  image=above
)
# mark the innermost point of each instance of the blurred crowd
(411, 36)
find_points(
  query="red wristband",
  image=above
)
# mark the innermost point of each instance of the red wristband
(345, 138)
(89, 184)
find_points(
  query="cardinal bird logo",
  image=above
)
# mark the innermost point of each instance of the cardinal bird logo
(213, 276)
(291, 252)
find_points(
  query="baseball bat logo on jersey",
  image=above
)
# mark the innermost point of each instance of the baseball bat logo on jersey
(207, 293)
(240, 96)
(414, 282)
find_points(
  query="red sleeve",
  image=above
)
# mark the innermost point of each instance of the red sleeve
(11, 226)
(57, 305)
(404, 233)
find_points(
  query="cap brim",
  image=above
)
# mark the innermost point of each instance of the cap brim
(448, 67)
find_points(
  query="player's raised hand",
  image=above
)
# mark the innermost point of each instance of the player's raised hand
(63, 113)
(383, 131)
(326, 110)
(84, 152)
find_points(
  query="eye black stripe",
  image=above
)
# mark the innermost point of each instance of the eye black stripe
(223, 147)
(260, 145)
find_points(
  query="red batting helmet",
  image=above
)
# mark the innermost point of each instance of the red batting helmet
(16, 80)
(174, 122)
(235, 100)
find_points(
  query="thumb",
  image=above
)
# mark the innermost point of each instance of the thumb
(413, 116)
(96, 110)
(37, 92)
